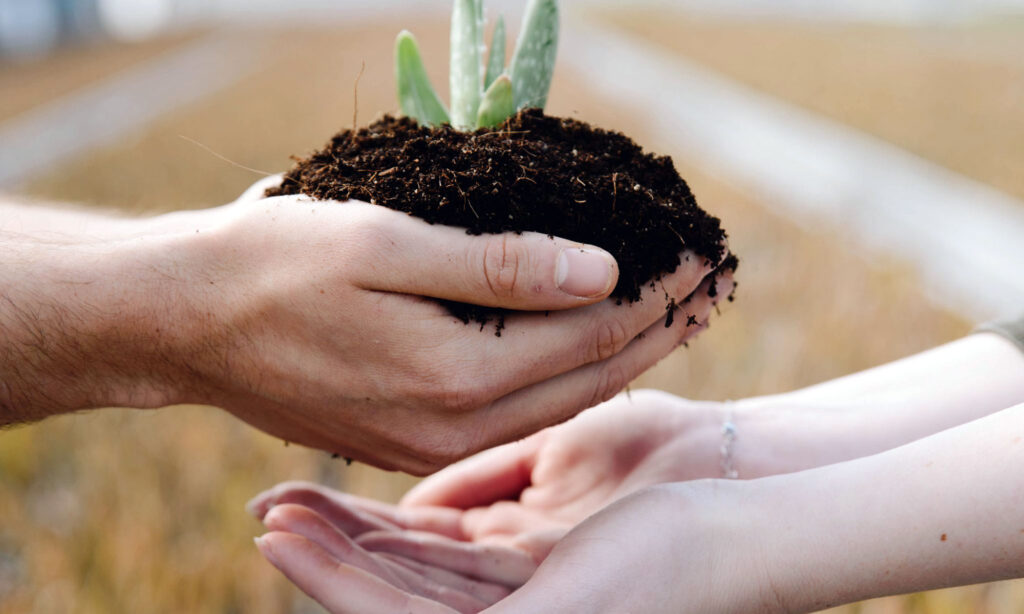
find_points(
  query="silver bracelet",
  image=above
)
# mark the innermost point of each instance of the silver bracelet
(728, 444)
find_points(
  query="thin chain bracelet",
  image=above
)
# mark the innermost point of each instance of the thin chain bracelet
(728, 443)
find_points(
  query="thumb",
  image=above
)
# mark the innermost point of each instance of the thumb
(490, 476)
(528, 271)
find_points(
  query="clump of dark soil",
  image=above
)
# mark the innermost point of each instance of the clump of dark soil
(536, 173)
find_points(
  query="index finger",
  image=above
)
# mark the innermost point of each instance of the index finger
(341, 588)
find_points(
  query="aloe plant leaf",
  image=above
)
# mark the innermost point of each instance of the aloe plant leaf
(499, 104)
(496, 59)
(533, 62)
(416, 96)
(466, 69)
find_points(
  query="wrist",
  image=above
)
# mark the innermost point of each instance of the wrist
(767, 538)
(89, 321)
(730, 523)
(744, 439)
(786, 433)
(691, 434)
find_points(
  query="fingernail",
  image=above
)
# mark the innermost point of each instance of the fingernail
(724, 288)
(253, 508)
(583, 272)
(264, 547)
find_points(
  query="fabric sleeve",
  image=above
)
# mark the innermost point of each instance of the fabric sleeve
(1011, 329)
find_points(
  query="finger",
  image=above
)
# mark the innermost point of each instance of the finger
(558, 399)
(490, 563)
(487, 419)
(537, 347)
(528, 271)
(256, 190)
(540, 397)
(493, 475)
(303, 521)
(328, 503)
(538, 543)
(488, 592)
(506, 518)
(425, 586)
(340, 588)
(355, 515)
(445, 521)
(259, 505)
(307, 523)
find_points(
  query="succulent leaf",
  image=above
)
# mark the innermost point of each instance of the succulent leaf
(496, 60)
(466, 69)
(416, 96)
(498, 104)
(533, 62)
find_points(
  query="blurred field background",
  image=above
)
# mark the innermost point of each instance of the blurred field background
(121, 511)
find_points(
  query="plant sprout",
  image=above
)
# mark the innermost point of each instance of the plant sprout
(482, 96)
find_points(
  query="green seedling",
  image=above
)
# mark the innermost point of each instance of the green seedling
(481, 96)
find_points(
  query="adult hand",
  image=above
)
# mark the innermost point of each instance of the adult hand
(308, 320)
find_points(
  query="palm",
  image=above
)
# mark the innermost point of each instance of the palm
(550, 481)
(603, 455)
(525, 495)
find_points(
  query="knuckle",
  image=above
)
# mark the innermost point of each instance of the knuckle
(456, 396)
(610, 339)
(502, 261)
(611, 379)
(691, 273)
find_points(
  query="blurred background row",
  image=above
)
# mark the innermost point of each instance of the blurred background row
(29, 28)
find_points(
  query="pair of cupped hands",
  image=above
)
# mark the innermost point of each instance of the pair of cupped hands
(605, 513)
(467, 538)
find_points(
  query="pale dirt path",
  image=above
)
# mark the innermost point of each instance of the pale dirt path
(953, 94)
(26, 84)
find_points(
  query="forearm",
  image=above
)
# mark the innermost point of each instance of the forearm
(878, 409)
(82, 315)
(942, 511)
(46, 221)
(62, 223)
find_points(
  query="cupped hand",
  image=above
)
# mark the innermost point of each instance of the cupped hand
(328, 563)
(670, 548)
(563, 474)
(685, 547)
(315, 322)
(527, 494)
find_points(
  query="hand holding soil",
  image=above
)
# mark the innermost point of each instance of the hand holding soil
(496, 176)
(309, 320)
(337, 348)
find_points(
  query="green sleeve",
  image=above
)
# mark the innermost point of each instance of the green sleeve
(1011, 329)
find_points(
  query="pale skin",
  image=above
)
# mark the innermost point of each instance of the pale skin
(897, 479)
(310, 320)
